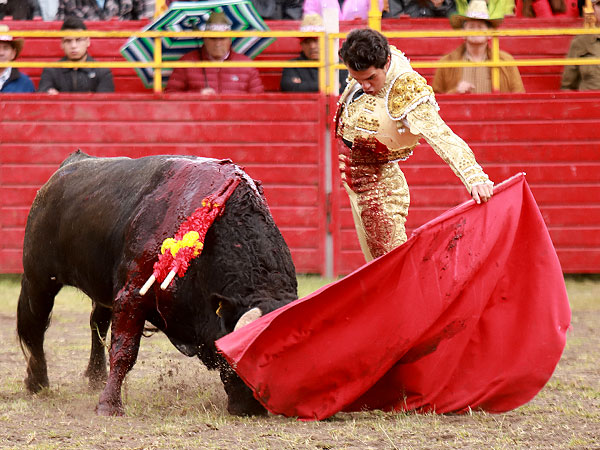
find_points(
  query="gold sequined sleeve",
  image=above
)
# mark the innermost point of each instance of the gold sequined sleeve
(425, 120)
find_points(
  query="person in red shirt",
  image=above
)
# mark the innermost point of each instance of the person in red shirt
(218, 80)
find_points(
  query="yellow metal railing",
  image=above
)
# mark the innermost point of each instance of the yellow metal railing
(495, 63)
(158, 63)
(326, 83)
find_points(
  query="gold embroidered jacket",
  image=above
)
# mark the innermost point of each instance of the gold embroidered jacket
(401, 114)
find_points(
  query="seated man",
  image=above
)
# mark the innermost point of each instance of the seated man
(11, 80)
(65, 79)
(306, 79)
(584, 78)
(219, 80)
(477, 80)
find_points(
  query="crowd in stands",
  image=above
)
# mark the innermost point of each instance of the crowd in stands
(477, 15)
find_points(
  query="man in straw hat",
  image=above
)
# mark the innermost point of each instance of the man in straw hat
(306, 79)
(385, 110)
(220, 80)
(478, 80)
(11, 80)
(584, 78)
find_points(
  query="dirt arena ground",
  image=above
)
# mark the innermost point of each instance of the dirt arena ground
(172, 402)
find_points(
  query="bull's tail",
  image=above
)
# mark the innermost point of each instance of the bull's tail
(33, 318)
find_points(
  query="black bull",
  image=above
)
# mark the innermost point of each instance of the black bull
(98, 225)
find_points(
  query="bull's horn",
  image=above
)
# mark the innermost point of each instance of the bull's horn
(248, 317)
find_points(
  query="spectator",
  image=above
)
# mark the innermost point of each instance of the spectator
(17, 9)
(584, 78)
(463, 80)
(497, 9)
(347, 9)
(547, 8)
(11, 80)
(279, 9)
(48, 9)
(101, 9)
(429, 8)
(218, 80)
(306, 79)
(77, 79)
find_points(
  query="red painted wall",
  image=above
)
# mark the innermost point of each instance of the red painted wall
(280, 139)
(554, 138)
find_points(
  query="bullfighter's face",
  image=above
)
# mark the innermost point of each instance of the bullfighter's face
(75, 48)
(372, 79)
(217, 48)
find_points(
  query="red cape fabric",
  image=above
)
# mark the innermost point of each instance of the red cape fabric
(470, 313)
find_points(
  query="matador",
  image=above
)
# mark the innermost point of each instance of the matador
(382, 114)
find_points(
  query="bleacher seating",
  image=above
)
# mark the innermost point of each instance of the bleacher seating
(535, 78)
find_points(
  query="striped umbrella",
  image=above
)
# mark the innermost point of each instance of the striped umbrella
(191, 16)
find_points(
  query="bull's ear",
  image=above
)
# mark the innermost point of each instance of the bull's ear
(225, 308)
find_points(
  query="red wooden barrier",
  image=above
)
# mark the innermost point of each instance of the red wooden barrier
(279, 139)
(554, 138)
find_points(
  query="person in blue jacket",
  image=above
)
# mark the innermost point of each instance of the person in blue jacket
(11, 80)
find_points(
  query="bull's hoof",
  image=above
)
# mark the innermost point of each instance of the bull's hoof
(96, 379)
(247, 408)
(106, 409)
(34, 386)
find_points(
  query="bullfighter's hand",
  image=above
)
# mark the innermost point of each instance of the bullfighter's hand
(482, 192)
(208, 91)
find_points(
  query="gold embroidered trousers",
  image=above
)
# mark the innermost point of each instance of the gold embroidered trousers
(379, 199)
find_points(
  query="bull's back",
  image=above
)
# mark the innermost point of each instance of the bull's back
(95, 214)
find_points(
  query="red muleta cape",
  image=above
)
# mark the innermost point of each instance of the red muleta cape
(470, 313)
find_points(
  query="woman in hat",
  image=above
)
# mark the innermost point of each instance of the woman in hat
(464, 80)
(11, 80)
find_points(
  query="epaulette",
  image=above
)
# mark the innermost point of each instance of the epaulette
(408, 90)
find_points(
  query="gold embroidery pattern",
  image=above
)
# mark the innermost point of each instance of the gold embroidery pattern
(382, 197)
(408, 90)
(424, 119)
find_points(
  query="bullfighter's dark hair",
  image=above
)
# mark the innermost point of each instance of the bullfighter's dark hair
(73, 23)
(365, 48)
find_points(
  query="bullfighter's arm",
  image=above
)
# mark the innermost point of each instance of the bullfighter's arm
(424, 120)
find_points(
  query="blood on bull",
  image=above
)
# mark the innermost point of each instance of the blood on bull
(104, 225)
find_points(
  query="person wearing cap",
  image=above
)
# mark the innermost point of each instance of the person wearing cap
(476, 80)
(75, 79)
(217, 80)
(382, 114)
(11, 79)
(306, 79)
(584, 78)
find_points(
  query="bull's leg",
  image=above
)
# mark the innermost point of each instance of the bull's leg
(240, 400)
(99, 322)
(33, 317)
(128, 319)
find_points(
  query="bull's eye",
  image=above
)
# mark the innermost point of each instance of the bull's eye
(218, 311)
